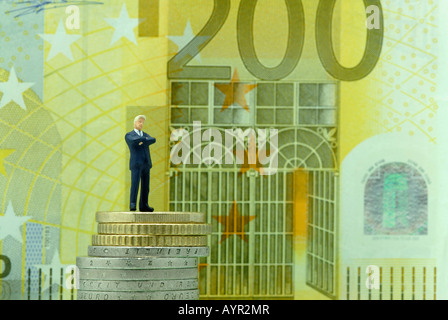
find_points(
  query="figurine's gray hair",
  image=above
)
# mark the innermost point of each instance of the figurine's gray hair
(139, 117)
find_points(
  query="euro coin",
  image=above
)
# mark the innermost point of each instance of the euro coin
(148, 241)
(137, 274)
(159, 252)
(156, 295)
(154, 229)
(138, 285)
(152, 217)
(135, 263)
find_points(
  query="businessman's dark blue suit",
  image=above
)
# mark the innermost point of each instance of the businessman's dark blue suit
(140, 165)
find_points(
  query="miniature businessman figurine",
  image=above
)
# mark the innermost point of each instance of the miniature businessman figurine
(140, 164)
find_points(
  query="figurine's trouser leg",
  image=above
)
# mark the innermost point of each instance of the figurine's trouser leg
(144, 190)
(139, 176)
(135, 181)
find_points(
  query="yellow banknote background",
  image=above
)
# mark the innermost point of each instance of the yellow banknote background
(63, 156)
(108, 79)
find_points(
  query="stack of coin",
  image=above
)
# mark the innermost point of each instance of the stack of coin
(144, 256)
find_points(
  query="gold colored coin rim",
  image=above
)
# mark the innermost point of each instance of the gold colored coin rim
(152, 217)
(154, 229)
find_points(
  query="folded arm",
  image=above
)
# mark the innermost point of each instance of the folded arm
(133, 140)
(150, 140)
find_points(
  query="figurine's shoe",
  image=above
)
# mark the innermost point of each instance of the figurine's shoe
(147, 209)
(133, 209)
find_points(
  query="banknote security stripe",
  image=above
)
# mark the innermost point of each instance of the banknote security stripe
(154, 229)
(135, 263)
(160, 252)
(157, 295)
(138, 274)
(138, 285)
(156, 217)
(148, 241)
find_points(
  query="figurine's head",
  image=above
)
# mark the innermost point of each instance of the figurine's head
(139, 121)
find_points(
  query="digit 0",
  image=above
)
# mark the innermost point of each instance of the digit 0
(7, 268)
(178, 69)
(246, 46)
(325, 48)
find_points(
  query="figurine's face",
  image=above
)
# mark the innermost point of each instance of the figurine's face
(139, 124)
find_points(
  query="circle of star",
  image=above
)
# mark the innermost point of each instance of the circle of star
(10, 224)
(60, 42)
(124, 26)
(13, 90)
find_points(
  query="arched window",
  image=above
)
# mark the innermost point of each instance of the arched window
(396, 201)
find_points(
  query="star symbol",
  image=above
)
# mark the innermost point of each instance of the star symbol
(251, 157)
(182, 41)
(235, 92)
(60, 42)
(124, 26)
(13, 90)
(233, 223)
(10, 224)
(3, 155)
(55, 265)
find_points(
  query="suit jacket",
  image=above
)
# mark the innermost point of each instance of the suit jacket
(140, 155)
